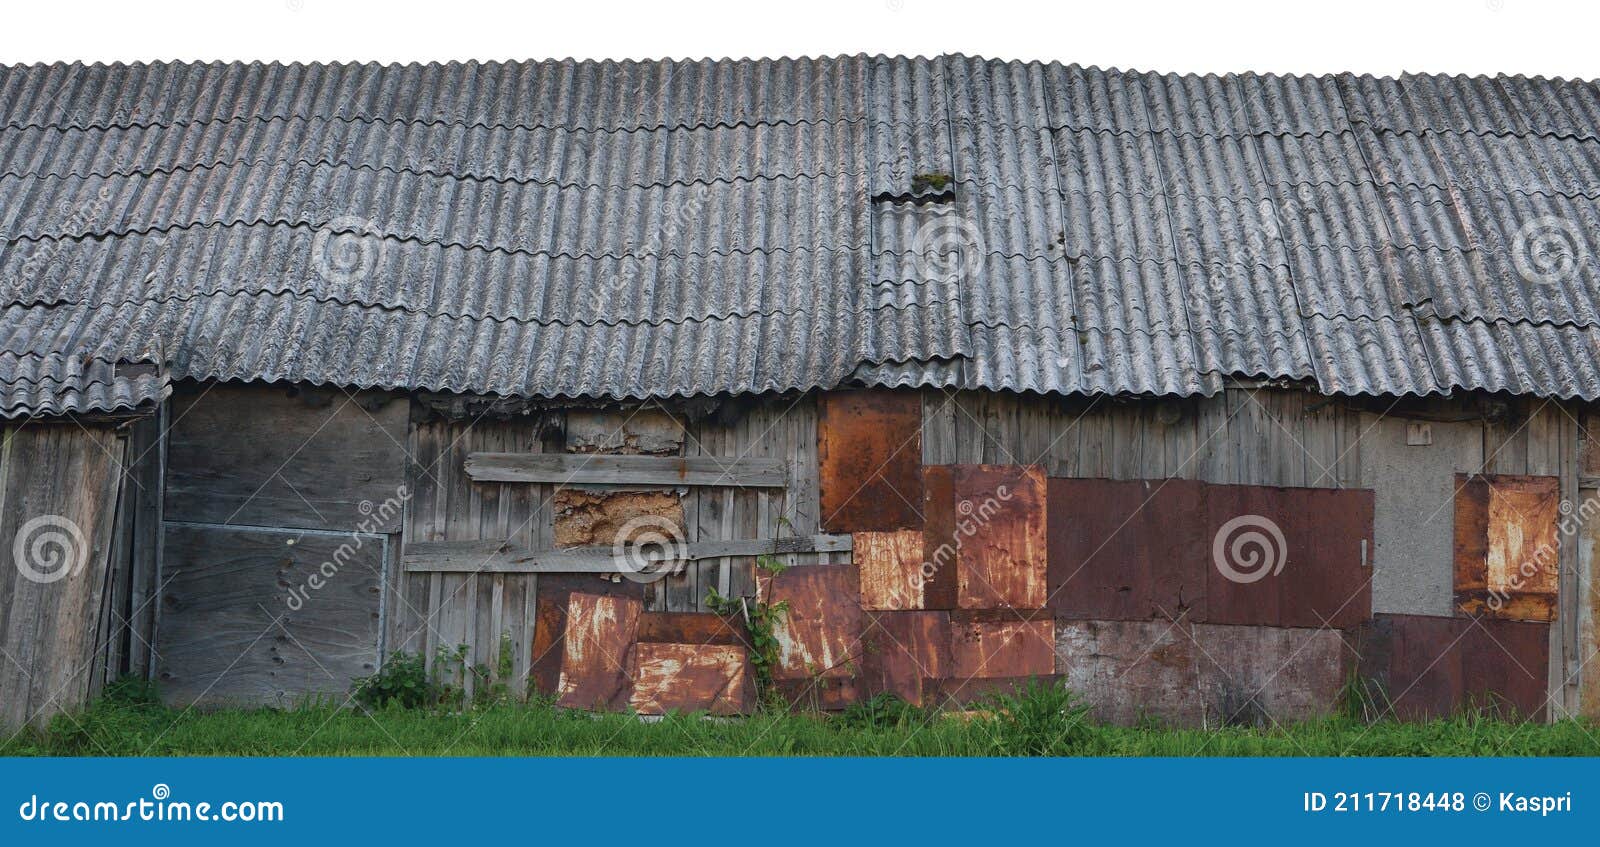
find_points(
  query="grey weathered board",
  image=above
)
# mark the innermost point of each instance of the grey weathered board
(50, 629)
(259, 456)
(503, 557)
(228, 633)
(590, 469)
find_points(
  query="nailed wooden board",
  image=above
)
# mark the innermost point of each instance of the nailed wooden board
(575, 469)
(232, 631)
(502, 557)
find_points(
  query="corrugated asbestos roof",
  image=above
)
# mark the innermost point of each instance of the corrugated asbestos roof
(675, 228)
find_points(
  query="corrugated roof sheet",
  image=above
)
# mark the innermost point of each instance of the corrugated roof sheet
(663, 228)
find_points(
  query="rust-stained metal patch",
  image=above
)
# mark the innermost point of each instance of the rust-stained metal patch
(1001, 556)
(1262, 676)
(819, 694)
(890, 566)
(648, 432)
(820, 634)
(939, 581)
(550, 622)
(585, 518)
(960, 692)
(690, 628)
(869, 452)
(599, 631)
(1127, 550)
(1507, 546)
(901, 649)
(690, 678)
(1428, 667)
(1127, 671)
(1014, 649)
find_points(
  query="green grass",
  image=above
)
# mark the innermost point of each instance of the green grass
(128, 722)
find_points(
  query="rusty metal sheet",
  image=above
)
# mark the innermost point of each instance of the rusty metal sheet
(690, 628)
(600, 630)
(820, 694)
(1428, 667)
(550, 623)
(1264, 676)
(820, 635)
(901, 649)
(1127, 671)
(1127, 550)
(1001, 555)
(1507, 546)
(939, 584)
(869, 453)
(690, 678)
(1006, 649)
(891, 571)
(1288, 557)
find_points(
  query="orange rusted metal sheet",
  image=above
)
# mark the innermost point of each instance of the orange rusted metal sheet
(981, 649)
(690, 628)
(550, 623)
(1428, 667)
(890, 565)
(690, 678)
(1127, 550)
(901, 649)
(869, 452)
(820, 634)
(1507, 546)
(939, 583)
(1001, 555)
(599, 632)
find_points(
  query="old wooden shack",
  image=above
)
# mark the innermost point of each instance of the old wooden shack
(1215, 399)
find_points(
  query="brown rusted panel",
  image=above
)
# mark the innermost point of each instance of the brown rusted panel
(550, 623)
(600, 518)
(1000, 528)
(979, 691)
(890, 565)
(690, 628)
(1288, 557)
(1265, 676)
(1507, 546)
(1014, 649)
(820, 634)
(901, 649)
(1126, 550)
(1128, 671)
(690, 678)
(939, 584)
(594, 661)
(819, 694)
(869, 449)
(1427, 667)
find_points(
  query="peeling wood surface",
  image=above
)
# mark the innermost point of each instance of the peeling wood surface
(589, 469)
(650, 432)
(869, 450)
(1429, 667)
(690, 678)
(1507, 546)
(501, 557)
(599, 632)
(1001, 555)
(607, 518)
(820, 636)
(891, 568)
(1011, 649)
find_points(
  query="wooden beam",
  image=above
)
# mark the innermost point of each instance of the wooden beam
(502, 557)
(578, 469)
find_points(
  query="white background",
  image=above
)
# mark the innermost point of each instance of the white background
(1469, 36)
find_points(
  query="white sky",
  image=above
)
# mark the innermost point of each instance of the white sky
(1470, 36)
